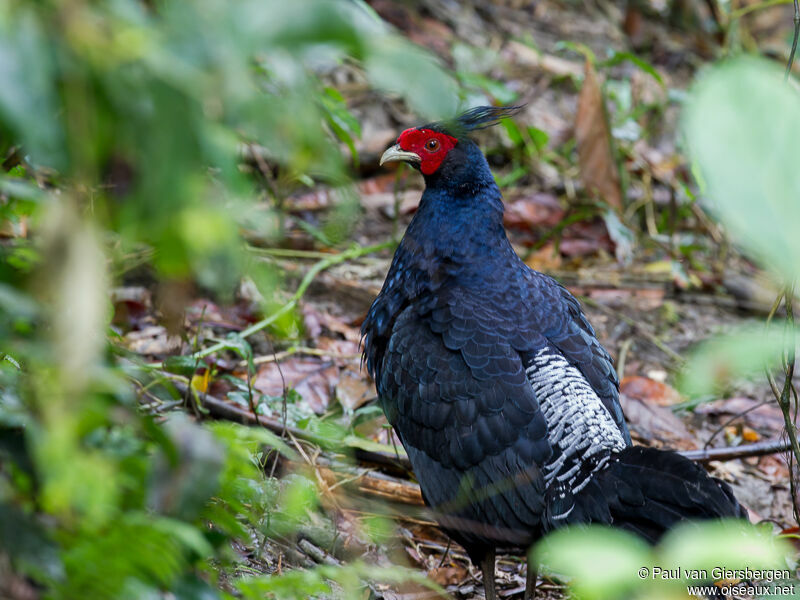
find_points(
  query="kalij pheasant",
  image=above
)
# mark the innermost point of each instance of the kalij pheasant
(495, 383)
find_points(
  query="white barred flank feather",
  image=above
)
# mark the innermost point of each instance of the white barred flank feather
(579, 425)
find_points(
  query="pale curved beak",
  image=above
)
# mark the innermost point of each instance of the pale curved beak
(396, 153)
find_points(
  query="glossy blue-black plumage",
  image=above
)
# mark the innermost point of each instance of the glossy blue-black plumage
(448, 341)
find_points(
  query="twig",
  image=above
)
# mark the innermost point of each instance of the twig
(622, 356)
(794, 39)
(789, 393)
(713, 8)
(785, 398)
(221, 409)
(734, 452)
(636, 325)
(316, 553)
(445, 553)
(278, 356)
(289, 253)
(739, 415)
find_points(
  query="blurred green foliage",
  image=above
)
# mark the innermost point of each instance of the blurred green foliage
(740, 125)
(604, 564)
(137, 132)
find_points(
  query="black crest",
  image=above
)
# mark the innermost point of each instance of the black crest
(476, 118)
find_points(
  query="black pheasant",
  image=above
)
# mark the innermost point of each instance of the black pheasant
(493, 379)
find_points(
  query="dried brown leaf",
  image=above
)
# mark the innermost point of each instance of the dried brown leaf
(595, 153)
(312, 378)
(451, 575)
(537, 209)
(650, 391)
(656, 423)
(766, 416)
(353, 390)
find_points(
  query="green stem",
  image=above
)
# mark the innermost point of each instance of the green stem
(738, 14)
(289, 253)
(325, 263)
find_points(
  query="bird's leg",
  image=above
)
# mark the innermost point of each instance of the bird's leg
(487, 568)
(530, 580)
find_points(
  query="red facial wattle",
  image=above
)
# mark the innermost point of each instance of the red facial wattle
(431, 146)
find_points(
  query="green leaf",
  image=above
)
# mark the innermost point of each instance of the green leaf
(27, 543)
(741, 125)
(238, 435)
(400, 67)
(19, 188)
(738, 355)
(620, 57)
(494, 88)
(623, 238)
(539, 137)
(27, 94)
(355, 441)
(181, 365)
(188, 535)
(602, 563)
(729, 544)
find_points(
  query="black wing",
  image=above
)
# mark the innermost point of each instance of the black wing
(458, 397)
(556, 314)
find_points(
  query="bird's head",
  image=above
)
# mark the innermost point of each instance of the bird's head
(434, 147)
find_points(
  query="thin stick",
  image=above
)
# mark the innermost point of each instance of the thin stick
(289, 253)
(738, 415)
(224, 410)
(794, 39)
(734, 452)
(636, 325)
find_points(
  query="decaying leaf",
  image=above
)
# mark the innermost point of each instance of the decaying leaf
(599, 171)
(537, 209)
(754, 413)
(650, 391)
(353, 390)
(312, 378)
(656, 423)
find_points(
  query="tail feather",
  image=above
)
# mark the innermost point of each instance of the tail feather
(646, 491)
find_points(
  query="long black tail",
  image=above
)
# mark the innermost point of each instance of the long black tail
(646, 491)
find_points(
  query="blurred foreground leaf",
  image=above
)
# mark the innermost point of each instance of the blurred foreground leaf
(741, 124)
(603, 563)
(600, 562)
(726, 544)
(725, 359)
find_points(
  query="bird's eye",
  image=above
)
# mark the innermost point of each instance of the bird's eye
(432, 145)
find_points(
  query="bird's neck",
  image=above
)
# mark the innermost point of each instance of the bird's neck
(456, 232)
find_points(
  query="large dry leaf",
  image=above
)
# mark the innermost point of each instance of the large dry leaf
(536, 209)
(353, 390)
(655, 423)
(154, 340)
(598, 167)
(314, 379)
(649, 391)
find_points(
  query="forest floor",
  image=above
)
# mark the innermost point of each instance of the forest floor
(677, 283)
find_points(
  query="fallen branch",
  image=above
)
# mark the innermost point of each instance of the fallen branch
(734, 452)
(224, 410)
(372, 483)
(405, 492)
